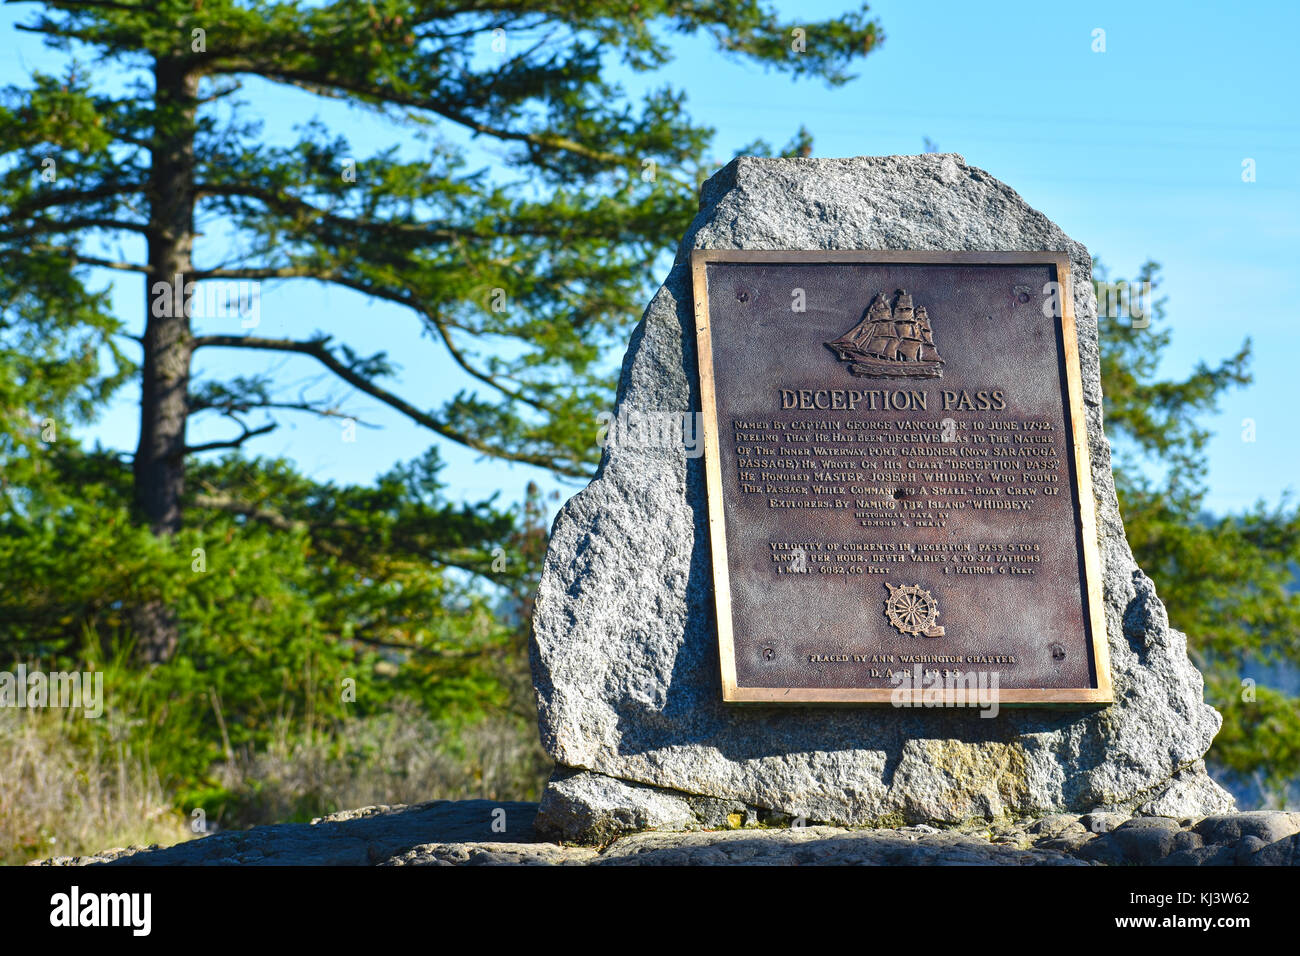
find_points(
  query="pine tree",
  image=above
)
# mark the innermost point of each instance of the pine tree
(552, 262)
(1228, 581)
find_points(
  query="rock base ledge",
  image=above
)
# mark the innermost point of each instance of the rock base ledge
(487, 833)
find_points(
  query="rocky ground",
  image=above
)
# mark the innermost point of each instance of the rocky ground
(481, 832)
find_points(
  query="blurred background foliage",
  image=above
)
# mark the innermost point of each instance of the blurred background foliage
(276, 646)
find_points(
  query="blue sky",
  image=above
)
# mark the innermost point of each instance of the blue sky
(1136, 151)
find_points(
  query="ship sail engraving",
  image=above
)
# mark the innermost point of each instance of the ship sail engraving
(893, 339)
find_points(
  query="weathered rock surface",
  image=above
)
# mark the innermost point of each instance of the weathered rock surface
(624, 650)
(351, 838)
(469, 833)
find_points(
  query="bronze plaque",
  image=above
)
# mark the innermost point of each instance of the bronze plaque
(900, 504)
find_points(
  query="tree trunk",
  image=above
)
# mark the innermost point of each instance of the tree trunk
(164, 406)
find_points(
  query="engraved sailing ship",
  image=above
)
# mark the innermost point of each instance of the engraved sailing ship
(891, 340)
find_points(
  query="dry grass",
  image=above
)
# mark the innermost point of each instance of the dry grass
(64, 794)
(57, 799)
(397, 757)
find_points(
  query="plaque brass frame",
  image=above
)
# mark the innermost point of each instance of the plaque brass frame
(1101, 692)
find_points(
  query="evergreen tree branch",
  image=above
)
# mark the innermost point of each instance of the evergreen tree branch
(233, 442)
(54, 227)
(307, 271)
(120, 266)
(68, 197)
(319, 350)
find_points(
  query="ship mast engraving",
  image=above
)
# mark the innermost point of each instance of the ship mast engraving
(891, 340)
